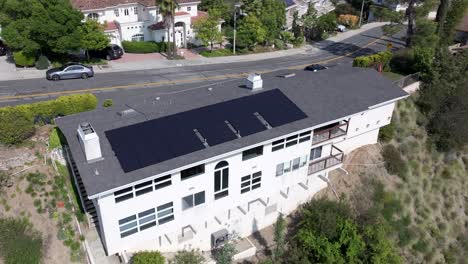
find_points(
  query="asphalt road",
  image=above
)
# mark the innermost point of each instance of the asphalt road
(143, 81)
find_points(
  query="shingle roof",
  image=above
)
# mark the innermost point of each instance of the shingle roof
(99, 4)
(323, 96)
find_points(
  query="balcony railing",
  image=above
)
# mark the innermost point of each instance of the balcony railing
(335, 158)
(327, 133)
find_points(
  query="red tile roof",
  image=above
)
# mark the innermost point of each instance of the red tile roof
(181, 14)
(99, 4)
(111, 26)
(157, 26)
(200, 15)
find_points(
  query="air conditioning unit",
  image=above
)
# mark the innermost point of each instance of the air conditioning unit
(218, 238)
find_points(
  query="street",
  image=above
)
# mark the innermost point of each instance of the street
(113, 85)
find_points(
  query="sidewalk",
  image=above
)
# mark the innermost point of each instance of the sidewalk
(9, 72)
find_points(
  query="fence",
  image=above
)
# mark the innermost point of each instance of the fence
(407, 80)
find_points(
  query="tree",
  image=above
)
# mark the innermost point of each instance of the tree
(225, 254)
(40, 25)
(441, 15)
(454, 15)
(207, 29)
(93, 37)
(14, 126)
(167, 8)
(296, 25)
(279, 238)
(273, 16)
(309, 20)
(225, 7)
(250, 32)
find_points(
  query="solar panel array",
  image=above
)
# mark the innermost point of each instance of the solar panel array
(151, 142)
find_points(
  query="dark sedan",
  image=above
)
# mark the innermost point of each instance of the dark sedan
(70, 71)
(315, 67)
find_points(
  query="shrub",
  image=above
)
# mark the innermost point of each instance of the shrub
(56, 138)
(42, 63)
(373, 60)
(23, 60)
(188, 257)
(387, 132)
(403, 62)
(14, 127)
(216, 53)
(148, 257)
(348, 20)
(225, 254)
(393, 161)
(279, 44)
(107, 103)
(298, 41)
(140, 46)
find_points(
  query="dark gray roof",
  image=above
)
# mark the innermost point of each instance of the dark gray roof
(323, 96)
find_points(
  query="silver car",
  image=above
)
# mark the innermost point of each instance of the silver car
(70, 71)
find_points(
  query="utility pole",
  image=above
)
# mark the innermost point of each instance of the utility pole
(237, 6)
(360, 16)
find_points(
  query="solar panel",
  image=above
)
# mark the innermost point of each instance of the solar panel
(151, 142)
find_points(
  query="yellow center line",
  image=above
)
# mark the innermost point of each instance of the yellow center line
(159, 83)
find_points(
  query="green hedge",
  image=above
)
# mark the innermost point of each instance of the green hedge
(148, 257)
(23, 60)
(216, 53)
(144, 46)
(372, 60)
(17, 122)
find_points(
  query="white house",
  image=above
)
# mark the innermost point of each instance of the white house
(301, 6)
(187, 168)
(140, 20)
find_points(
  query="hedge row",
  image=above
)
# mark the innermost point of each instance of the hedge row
(17, 122)
(23, 60)
(372, 60)
(144, 46)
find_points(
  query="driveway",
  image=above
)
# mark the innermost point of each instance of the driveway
(6, 69)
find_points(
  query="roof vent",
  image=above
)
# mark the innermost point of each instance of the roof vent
(89, 141)
(254, 82)
(126, 112)
(288, 75)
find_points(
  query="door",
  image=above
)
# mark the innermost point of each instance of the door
(179, 39)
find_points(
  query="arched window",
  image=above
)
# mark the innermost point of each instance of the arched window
(93, 16)
(138, 37)
(221, 180)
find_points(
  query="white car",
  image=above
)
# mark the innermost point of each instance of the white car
(341, 28)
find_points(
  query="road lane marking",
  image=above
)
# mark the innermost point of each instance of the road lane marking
(169, 82)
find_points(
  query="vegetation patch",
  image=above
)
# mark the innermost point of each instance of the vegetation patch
(148, 257)
(216, 53)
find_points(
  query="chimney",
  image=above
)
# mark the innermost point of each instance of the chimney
(89, 141)
(254, 82)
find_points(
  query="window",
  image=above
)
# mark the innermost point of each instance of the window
(147, 219)
(252, 153)
(123, 194)
(193, 200)
(162, 182)
(138, 37)
(279, 169)
(295, 163)
(135, 10)
(221, 180)
(277, 145)
(116, 12)
(287, 166)
(143, 188)
(305, 136)
(93, 16)
(316, 153)
(157, 12)
(290, 141)
(126, 12)
(165, 213)
(192, 172)
(128, 226)
(303, 161)
(189, 8)
(251, 182)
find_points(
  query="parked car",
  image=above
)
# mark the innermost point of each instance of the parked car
(3, 49)
(315, 67)
(112, 52)
(70, 71)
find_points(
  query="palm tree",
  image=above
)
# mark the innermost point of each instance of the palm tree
(167, 9)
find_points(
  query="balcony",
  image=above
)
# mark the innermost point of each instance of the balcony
(335, 158)
(329, 132)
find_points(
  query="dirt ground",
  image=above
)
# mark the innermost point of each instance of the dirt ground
(26, 159)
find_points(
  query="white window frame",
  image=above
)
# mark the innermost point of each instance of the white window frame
(117, 12)
(186, 206)
(135, 10)
(280, 169)
(165, 213)
(251, 182)
(221, 172)
(313, 157)
(126, 12)
(295, 163)
(128, 226)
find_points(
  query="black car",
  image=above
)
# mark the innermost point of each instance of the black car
(3, 49)
(70, 71)
(112, 52)
(315, 67)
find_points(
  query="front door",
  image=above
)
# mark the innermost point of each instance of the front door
(179, 39)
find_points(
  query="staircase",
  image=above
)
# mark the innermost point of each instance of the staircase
(86, 204)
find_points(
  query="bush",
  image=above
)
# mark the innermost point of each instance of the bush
(403, 62)
(141, 46)
(148, 257)
(373, 60)
(217, 53)
(188, 257)
(387, 132)
(298, 41)
(107, 103)
(17, 122)
(279, 44)
(23, 60)
(348, 20)
(56, 138)
(42, 63)
(14, 127)
(393, 161)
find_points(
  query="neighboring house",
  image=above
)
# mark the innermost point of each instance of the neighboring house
(461, 31)
(301, 6)
(386, 4)
(186, 169)
(140, 20)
